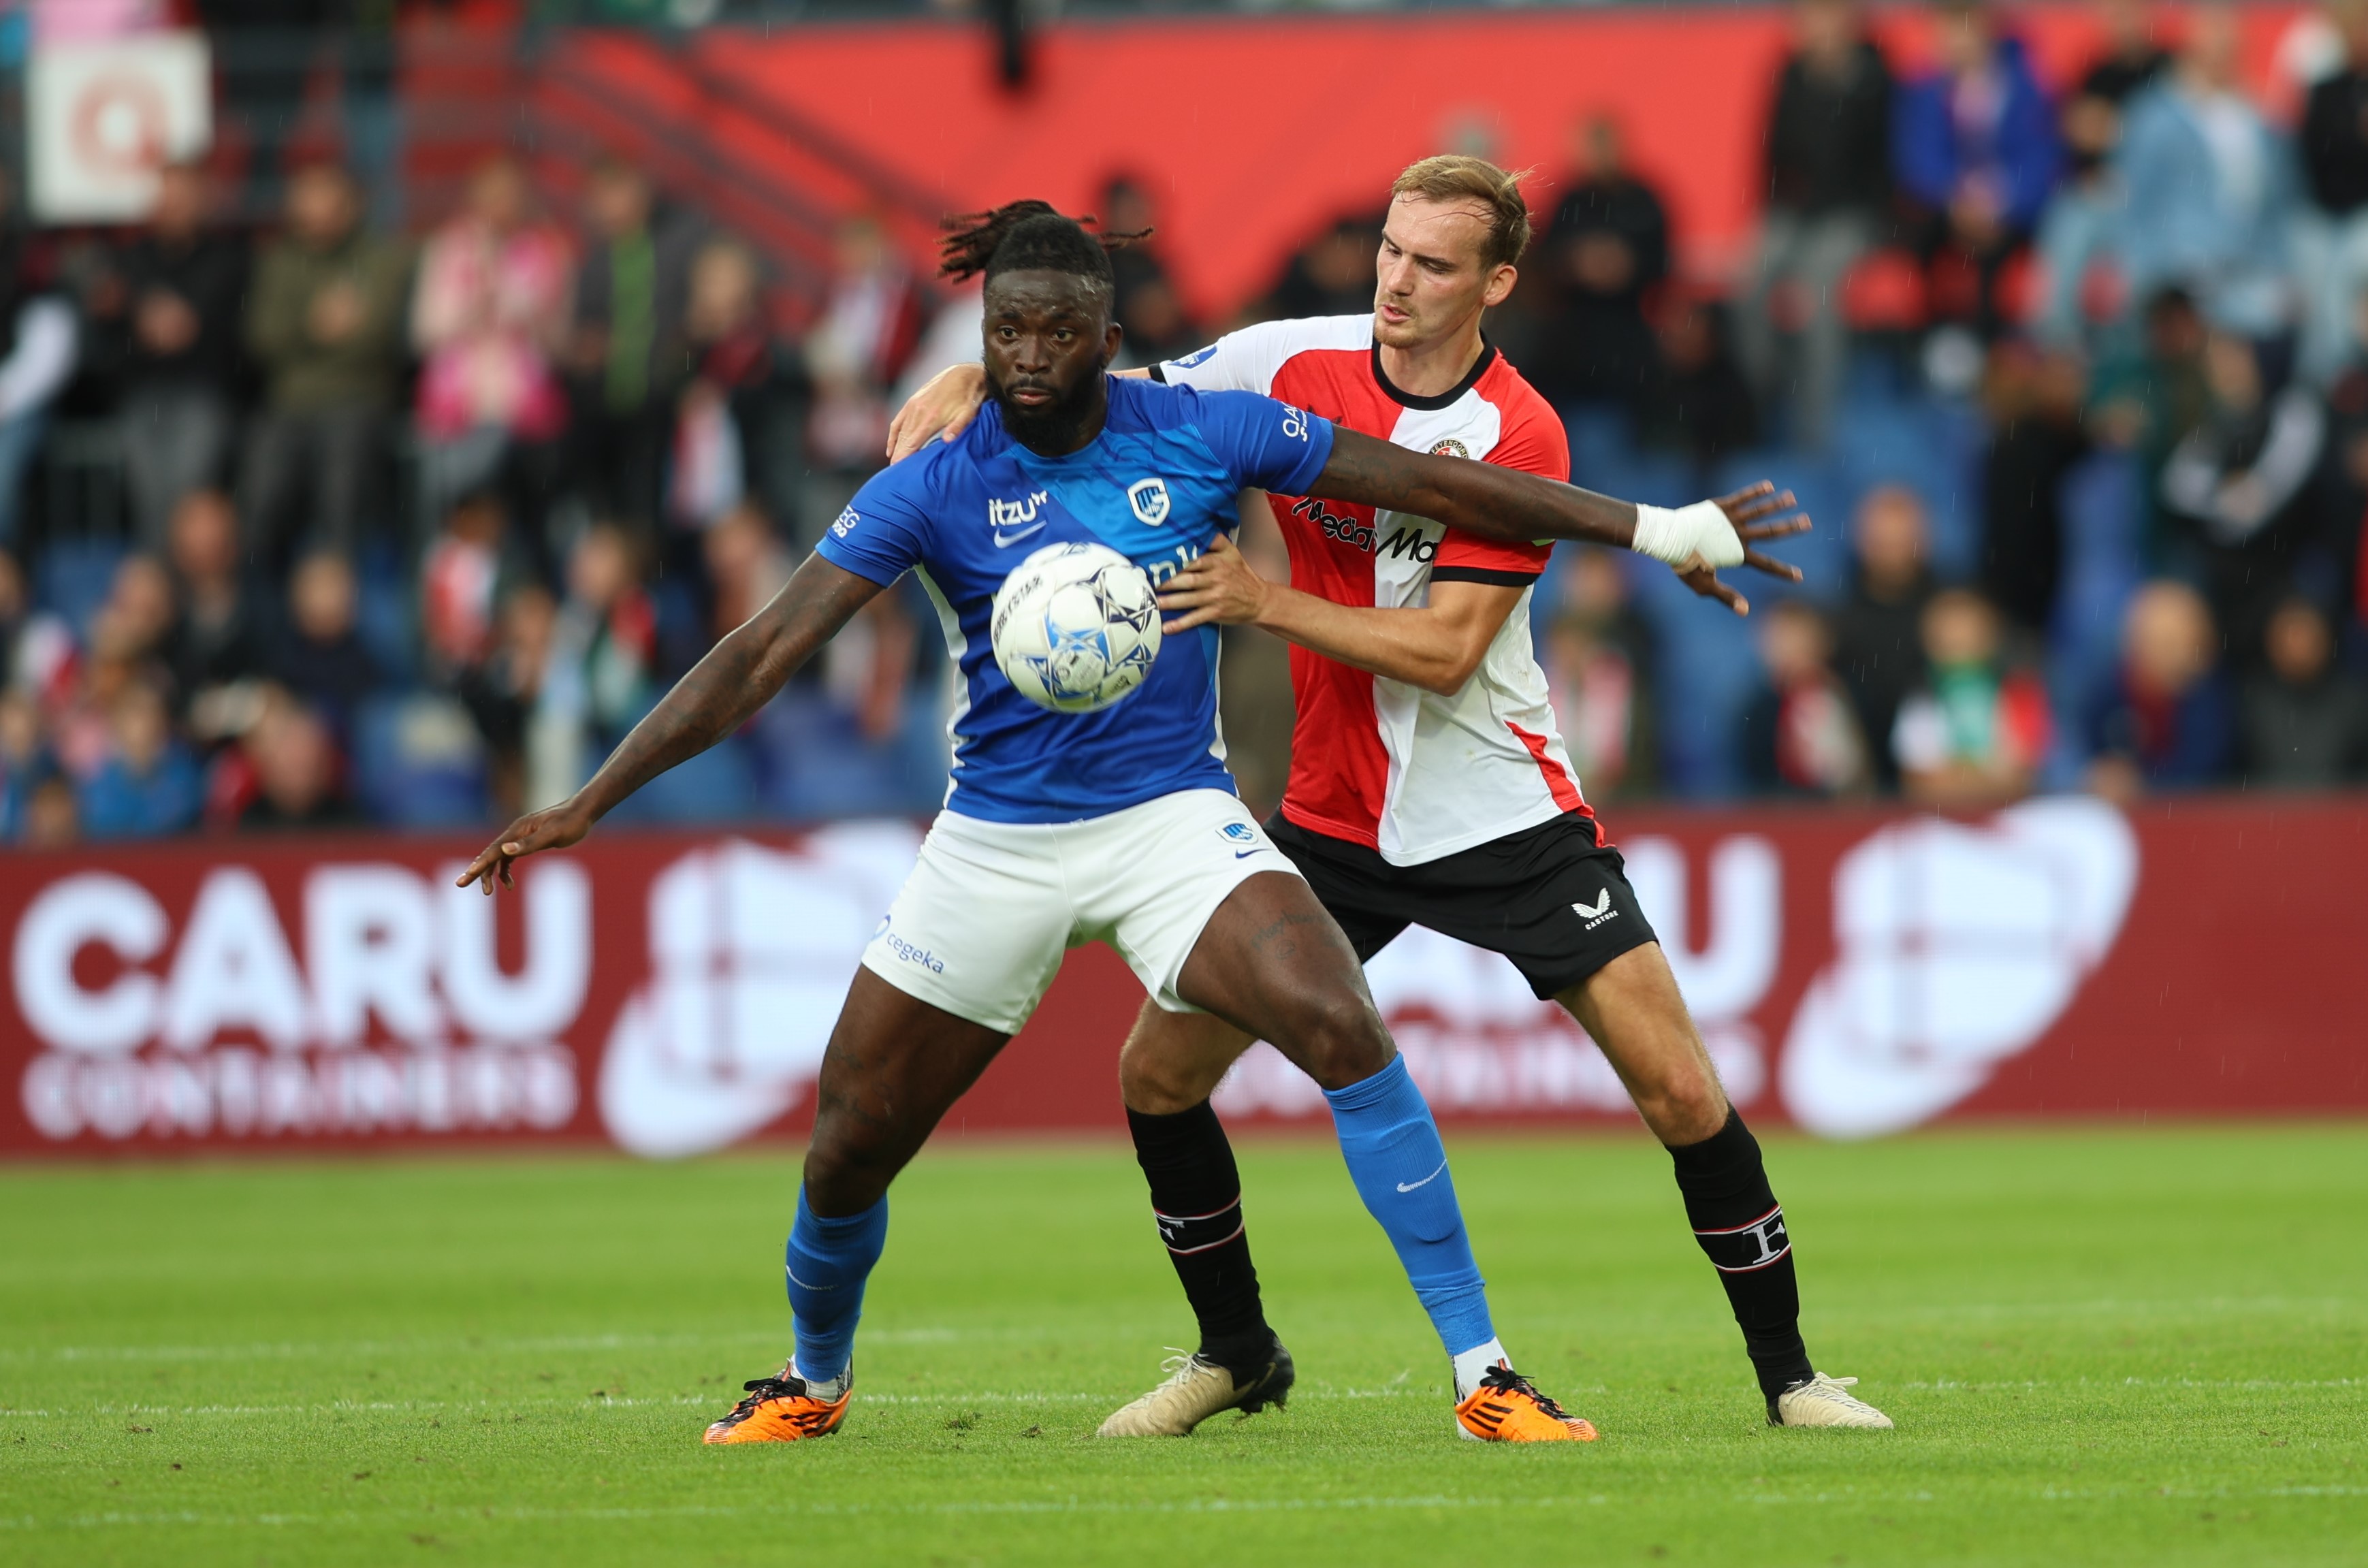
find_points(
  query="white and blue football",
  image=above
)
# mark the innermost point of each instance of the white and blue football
(1076, 627)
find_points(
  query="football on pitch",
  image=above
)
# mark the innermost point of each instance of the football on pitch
(1076, 627)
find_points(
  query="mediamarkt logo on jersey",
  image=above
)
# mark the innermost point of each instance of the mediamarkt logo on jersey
(1855, 972)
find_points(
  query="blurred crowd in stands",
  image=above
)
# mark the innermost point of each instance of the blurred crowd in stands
(2074, 376)
(2080, 370)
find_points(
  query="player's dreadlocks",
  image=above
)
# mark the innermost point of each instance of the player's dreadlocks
(1027, 235)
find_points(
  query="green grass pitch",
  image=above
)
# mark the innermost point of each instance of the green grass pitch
(2100, 1345)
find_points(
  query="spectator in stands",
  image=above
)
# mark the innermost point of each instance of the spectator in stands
(747, 565)
(490, 313)
(16, 610)
(1975, 150)
(596, 683)
(1877, 635)
(2211, 195)
(1829, 189)
(39, 342)
(219, 637)
(1147, 303)
(871, 322)
(320, 658)
(2334, 147)
(1332, 275)
(141, 613)
(2164, 719)
(324, 319)
(734, 435)
(2144, 401)
(2304, 722)
(627, 345)
(459, 581)
(2132, 59)
(1598, 664)
(869, 679)
(1971, 736)
(184, 284)
(1606, 249)
(500, 694)
(149, 785)
(24, 760)
(298, 774)
(2033, 401)
(1696, 400)
(1800, 734)
(51, 822)
(2084, 294)
(2241, 491)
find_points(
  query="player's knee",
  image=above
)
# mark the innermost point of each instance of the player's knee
(844, 1172)
(1685, 1108)
(1156, 1085)
(1340, 1041)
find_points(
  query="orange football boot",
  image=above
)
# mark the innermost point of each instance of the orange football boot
(1505, 1408)
(779, 1410)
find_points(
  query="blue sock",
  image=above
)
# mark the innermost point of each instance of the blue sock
(1400, 1168)
(827, 1262)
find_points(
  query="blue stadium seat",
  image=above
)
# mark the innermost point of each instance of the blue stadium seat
(417, 762)
(385, 612)
(73, 577)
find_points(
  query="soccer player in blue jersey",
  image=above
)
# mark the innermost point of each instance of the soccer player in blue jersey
(1119, 826)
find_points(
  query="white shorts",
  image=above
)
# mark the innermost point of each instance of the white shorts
(981, 924)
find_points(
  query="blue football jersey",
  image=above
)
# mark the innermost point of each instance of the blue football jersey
(1156, 486)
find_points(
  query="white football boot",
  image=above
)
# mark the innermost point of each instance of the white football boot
(1196, 1389)
(1821, 1401)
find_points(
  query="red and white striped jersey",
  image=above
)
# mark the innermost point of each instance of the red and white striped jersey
(1413, 775)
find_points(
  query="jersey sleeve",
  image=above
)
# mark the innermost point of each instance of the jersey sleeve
(884, 530)
(1246, 360)
(1533, 442)
(1264, 444)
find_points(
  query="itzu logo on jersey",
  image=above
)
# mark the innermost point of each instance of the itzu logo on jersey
(1148, 498)
(1014, 520)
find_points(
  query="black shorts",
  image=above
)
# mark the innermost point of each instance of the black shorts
(1550, 898)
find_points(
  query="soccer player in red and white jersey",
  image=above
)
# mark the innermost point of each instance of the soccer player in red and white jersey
(1429, 785)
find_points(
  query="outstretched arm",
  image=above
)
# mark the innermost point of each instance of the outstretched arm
(738, 676)
(1492, 502)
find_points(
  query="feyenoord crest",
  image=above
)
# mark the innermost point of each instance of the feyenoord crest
(1149, 499)
(1451, 448)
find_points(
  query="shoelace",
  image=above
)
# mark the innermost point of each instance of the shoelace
(1507, 1380)
(1180, 1365)
(762, 1389)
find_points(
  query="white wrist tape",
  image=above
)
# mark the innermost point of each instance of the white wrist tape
(1676, 536)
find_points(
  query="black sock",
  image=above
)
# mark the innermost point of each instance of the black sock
(1740, 1226)
(1196, 1194)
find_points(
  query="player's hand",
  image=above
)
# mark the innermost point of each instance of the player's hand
(561, 825)
(1757, 513)
(1219, 587)
(944, 407)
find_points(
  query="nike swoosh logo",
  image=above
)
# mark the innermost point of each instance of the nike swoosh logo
(1410, 1186)
(1005, 540)
(795, 1280)
(1246, 853)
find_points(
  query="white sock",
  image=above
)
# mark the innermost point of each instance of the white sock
(1473, 1364)
(826, 1388)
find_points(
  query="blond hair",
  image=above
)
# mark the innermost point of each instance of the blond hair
(1452, 176)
